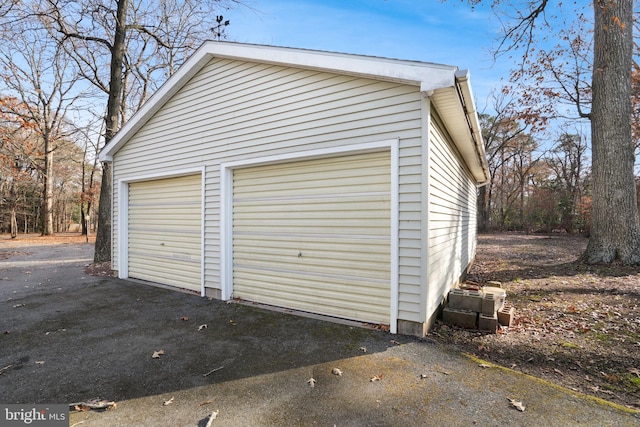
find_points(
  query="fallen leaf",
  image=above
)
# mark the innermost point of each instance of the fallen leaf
(395, 342)
(484, 365)
(39, 362)
(97, 404)
(635, 371)
(518, 405)
(376, 378)
(212, 417)
(311, 382)
(157, 354)
(336, 371)
(203, 326)
(167, 402)
(363, 349)
(19, 305)
(206, 402)
(610, 377)
(232, 322)
(423, 376)
(184, 318)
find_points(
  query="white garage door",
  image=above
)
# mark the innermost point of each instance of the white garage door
(165, 229)
(314, 235)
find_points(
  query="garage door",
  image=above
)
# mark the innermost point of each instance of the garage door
(165, 220)
(314, 235)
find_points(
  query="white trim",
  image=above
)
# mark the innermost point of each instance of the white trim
(425, 201)
(123, 215)
(226, 209)
(395, 235)
(226, 234)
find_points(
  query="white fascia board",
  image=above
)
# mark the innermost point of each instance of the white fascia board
(427, 76)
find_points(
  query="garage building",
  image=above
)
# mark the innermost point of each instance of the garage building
(335, 184)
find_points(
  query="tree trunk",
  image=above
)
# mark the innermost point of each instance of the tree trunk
(103, 236)
(615, 230)
(14, 224)
(483, 220)
(102, 251)
(47, 192)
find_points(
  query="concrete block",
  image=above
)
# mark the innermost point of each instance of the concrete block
(491, 305)
(464, 318)
(506, 315)
(488, 323)
(492, 300)
(494, 283)
(461, 299)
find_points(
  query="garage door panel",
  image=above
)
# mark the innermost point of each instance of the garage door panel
(372, 305)
(310, 241)
(306, 256)
(169, 274)
(268, 283)
(320, 266)
(315, 235)
(165, 229)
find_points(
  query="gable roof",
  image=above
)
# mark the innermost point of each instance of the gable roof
(448, 88)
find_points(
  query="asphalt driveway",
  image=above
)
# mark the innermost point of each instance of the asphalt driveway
(68, 337)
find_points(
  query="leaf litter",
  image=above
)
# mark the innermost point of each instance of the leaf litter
(576, 325)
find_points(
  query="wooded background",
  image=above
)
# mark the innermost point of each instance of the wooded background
(71, 72)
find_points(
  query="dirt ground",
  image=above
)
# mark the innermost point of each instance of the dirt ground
(576, 325)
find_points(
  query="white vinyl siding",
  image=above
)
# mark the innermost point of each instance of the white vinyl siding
(164, 231)
(234, 110)
(315, 235)
(452, 217)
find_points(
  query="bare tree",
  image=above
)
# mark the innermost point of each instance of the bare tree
(567, 161)
(38, 73)
(141, 42)
(615, 229)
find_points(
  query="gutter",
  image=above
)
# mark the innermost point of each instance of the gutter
(463, 87)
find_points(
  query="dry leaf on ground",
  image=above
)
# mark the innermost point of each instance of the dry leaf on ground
(157, 354)
(336, 371)
(516, 404)
(212, 417)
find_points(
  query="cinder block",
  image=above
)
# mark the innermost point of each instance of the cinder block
(492, 300)
(491, 305)
(488, 323)
(464, 318)
(506, 315)
(461, 299)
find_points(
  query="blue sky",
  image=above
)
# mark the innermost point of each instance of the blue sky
(425, 30)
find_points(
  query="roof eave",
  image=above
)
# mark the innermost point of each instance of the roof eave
(457, 109)
(427, 76)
